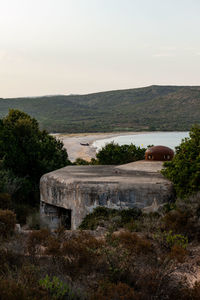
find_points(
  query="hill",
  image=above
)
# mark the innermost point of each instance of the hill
(148, 108)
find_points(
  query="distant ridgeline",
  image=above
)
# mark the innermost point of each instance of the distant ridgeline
(150, 108)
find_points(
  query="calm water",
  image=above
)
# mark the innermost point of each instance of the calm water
(170, 139)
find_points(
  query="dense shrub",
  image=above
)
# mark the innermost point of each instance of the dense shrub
(80, 161)
(184, 169)
(56, 288)
(7, 223)
(5, 201)
(184, 219)
(178, 221)
(130, 214)
(9, 261)
(28, 153)
(134, 243)
(36, 239)
(81, 252)
(22, 211)
(176, 240)
(178, 252)
(192, 293)
(9, 182)
(10, 289)
(112, 291)
(103, 216)
(114, 154)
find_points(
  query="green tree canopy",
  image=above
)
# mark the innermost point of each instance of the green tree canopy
(184, 169)
(26, 150)
(114, 154)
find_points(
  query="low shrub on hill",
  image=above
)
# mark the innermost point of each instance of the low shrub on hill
(5, 201)
(108, 290)
(184, 218)
(7, 223)
(106, 217)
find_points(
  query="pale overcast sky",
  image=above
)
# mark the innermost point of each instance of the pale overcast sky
(83, 46)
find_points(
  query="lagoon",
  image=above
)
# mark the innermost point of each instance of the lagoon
(169, 139)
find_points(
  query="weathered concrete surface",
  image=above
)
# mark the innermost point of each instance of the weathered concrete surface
(82, 188)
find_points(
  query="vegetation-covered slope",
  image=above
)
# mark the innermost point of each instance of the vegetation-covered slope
(149, 108)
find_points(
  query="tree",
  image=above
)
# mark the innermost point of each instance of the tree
(184, 169)
(27, 151)
(114, 154)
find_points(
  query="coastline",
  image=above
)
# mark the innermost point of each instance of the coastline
(75, 150)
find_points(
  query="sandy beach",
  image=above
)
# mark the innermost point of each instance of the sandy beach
(74, 149)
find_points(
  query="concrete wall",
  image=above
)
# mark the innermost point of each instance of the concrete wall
(102, 186)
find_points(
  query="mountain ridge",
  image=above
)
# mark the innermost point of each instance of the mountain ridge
(149, 108)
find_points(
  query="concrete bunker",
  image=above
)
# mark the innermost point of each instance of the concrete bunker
(55, 216)
(69, 194)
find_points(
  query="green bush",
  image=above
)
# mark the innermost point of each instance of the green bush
(130, 214)
(176, 239)
(168, 239)
(184, 169)
(28, 152)
(7, 222)
(79, 161)
(56, 288)
(9, 182)
(114, 154)
(102, 216)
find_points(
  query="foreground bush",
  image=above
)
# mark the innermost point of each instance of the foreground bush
(36, 239)
(5, 201)
(133, 243)
(184, 169)
(28, 152)
(184, 218)
(7, 223)
(56, 289)
(10, 289)
(111, 291)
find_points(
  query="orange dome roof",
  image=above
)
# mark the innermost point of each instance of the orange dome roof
(161, 153)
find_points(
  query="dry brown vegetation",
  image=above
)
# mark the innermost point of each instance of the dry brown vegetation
(7, 222)
(154, 259)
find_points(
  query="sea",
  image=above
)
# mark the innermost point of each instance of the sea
(169, 139)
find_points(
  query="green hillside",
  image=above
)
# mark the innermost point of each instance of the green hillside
(149, 108)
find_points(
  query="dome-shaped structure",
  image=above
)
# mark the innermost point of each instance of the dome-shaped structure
(160, 153)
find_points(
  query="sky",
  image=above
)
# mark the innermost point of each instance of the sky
(50, 47)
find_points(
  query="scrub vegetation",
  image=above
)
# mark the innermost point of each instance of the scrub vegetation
(114, 154)
(115, 255)
(184, 169)
(130, 255)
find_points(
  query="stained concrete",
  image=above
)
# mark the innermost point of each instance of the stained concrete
(82, 188)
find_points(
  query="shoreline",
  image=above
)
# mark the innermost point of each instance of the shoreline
(75, 150)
